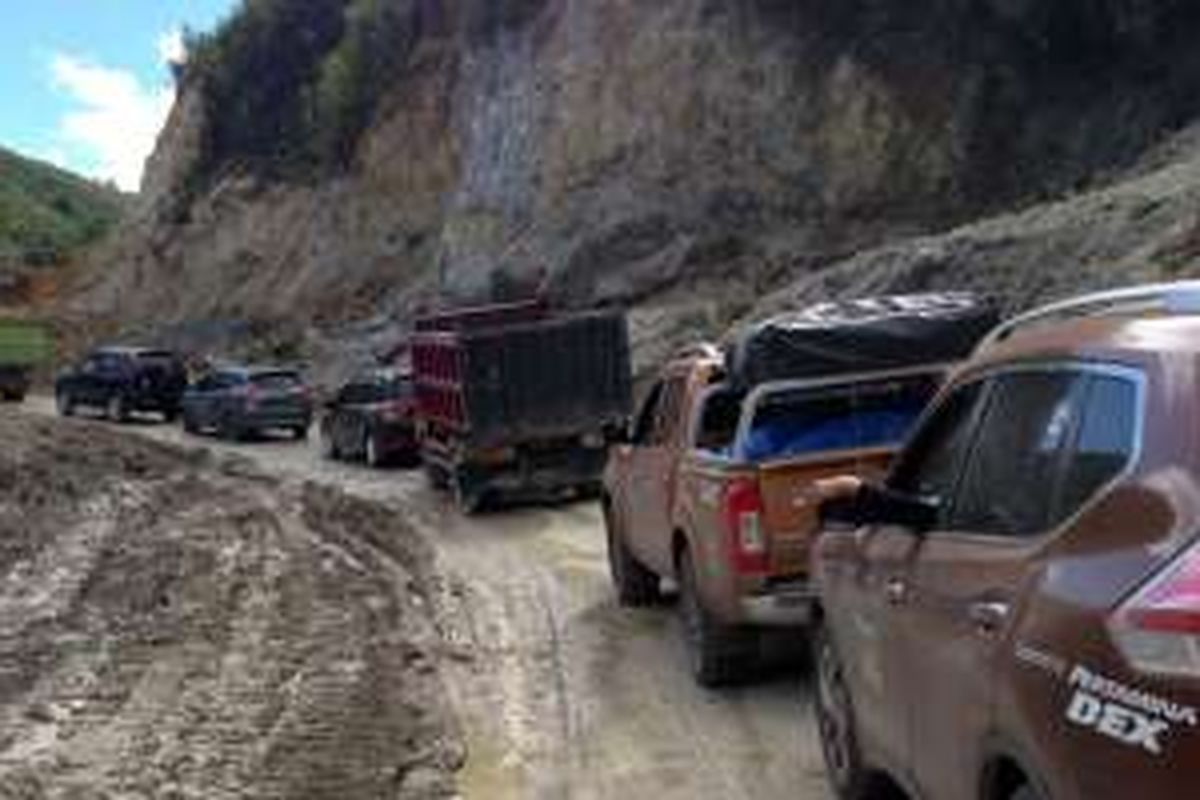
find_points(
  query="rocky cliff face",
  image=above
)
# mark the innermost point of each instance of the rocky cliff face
(683, 157)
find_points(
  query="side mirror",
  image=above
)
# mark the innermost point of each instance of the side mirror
(878, 505)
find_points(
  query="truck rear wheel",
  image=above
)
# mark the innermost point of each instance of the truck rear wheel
(469, 495)
(635, 585)
(719, 654)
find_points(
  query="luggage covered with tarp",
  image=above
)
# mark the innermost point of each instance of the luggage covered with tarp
(24, 343)
(865, 335)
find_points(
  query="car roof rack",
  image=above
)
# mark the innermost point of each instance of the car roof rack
(1175, 298)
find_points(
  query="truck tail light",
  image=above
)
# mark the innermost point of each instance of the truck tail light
(743, 521)
(1158, 628)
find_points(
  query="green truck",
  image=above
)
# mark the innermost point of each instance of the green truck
(24, 346)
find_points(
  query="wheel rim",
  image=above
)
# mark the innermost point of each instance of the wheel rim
(64, 405)
(114, 408)
(833, 715)
(372, 451)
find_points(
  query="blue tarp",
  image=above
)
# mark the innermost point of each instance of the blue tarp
(787, 436)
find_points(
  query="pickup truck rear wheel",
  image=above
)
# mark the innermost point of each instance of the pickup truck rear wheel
(719, 654)
(636, 585)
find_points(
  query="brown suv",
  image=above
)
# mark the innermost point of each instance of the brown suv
(1015, 612)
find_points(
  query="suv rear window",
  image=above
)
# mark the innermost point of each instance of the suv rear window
(276, 381)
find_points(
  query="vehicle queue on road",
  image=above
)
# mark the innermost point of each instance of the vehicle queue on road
(992, 546)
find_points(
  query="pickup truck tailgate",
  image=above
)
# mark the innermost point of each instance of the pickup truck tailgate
(790, 511)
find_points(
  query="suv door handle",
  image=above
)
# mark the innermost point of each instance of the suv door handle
(988, 617)
(896, 591)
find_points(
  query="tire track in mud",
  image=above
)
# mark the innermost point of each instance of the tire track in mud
(561, 693)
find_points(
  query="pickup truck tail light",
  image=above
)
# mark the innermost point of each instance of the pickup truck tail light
(1158, 628)
(743, 521)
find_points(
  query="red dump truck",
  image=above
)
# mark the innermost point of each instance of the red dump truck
(514, 399)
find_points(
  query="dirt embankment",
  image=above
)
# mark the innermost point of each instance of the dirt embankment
(172, 626)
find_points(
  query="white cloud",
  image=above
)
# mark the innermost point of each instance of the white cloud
(116, 119)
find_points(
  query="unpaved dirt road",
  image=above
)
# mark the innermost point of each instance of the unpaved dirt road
(561, 693)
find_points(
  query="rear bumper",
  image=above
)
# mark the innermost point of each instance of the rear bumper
(274, 418)
(785, 605)
(526, 469)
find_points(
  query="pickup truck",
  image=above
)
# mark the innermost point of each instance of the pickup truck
(714, 488)
(704, 494)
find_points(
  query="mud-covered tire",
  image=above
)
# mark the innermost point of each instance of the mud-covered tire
(117, 409)
(65, 404)
(229, 430)
(329, 448)
(719, 655)
(169, 415)
(844, 765)
(635, 585)
(300, 433)
(189, 424)
(469, 499)
(438, 477)
(372, 455)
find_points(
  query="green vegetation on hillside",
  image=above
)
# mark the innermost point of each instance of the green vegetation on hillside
(288, 87)
(46, 213)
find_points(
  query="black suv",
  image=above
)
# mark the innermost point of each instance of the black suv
(123, 380)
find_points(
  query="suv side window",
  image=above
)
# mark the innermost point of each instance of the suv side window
(1008, 485)
(1105, 444)
(931, 464)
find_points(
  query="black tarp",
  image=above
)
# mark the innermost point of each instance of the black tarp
(863, 335)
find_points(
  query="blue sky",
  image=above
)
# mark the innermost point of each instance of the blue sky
(84, 83)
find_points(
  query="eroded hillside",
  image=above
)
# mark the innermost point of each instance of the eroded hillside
(684, 157)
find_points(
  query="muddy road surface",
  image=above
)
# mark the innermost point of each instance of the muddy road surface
(559, 692)
(173, 625)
